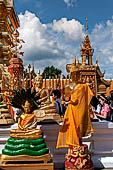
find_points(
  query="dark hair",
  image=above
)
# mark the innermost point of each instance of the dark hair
(57, 93)
(94, 102)
(104, 98)
(111, 97)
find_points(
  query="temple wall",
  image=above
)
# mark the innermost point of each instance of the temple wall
(52, 84)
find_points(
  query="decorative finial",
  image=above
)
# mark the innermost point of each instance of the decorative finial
(104, 72)
(38, 76)
(87, 25)
(15, 46)
(96, 62)
(77, 61)
(39, 71)
(74, 62)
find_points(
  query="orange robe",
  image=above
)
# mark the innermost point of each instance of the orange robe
(25, 119)
(77, 123)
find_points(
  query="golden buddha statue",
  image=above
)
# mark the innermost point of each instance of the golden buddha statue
(26, 142)
(27, 124)
(43, 93)
(27, 120)
(47, 111)
(77, 123)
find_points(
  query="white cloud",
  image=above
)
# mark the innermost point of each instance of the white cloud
(70, 3)
(44, 45)
(102, 40)
(58, 42)
(72, 29)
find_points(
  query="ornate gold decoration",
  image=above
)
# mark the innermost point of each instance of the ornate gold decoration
(15, 47)
(78, 158)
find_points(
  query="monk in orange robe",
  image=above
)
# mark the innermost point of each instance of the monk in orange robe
(77, 123)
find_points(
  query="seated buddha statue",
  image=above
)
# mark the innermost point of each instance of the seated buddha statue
(27, 124)
(27, 140)
(43, 93)
(47, 110)
(27, 120)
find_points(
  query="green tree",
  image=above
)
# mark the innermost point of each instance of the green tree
(51, 71)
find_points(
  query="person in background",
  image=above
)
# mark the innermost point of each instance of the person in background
(56, 94)
(95, 106)
(105, 111)
(111, 106)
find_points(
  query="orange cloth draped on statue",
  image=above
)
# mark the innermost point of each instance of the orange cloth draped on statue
(11, 110)
(77, 123)
(26, 119)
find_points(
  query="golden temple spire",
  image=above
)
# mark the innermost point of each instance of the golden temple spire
(39, 71)
(87, 25)
(96, 62)
(77, 62)
(74, 62)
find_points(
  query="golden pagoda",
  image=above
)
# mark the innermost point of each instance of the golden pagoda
(89, 73)
(9, 22)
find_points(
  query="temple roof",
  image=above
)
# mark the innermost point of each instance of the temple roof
(87, 67)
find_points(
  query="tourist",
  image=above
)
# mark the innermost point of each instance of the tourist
(95, 106)
(111, 107)
(105, 111)
(56, 94)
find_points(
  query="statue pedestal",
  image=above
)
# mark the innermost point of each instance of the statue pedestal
(41, 166)
(26, 162)
(78, 158)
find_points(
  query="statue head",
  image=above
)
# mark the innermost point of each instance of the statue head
(38, 80)
(27, 107)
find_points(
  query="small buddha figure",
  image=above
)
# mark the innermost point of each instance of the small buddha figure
(27, 120)
(43, 93)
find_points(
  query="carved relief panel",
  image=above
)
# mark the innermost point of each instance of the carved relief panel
(90, 80)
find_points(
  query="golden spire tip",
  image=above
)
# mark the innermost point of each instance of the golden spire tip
(87, 25)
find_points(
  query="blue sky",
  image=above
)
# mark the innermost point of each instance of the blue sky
(54, 29)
